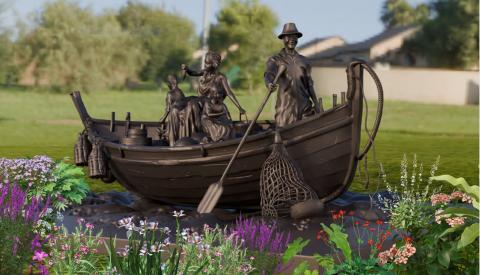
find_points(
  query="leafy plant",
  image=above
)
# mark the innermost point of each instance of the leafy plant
(408, 208)
(264, 241)
(213, 252)
(62, 182)
(17, 218)
(75, 253)
(469, 228)
(446, 243)
(351, 262)
(293, 249)
(69, 186)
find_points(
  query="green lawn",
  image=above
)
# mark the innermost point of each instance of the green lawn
(34, 123)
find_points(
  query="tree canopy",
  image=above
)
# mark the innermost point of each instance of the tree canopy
(72, 48)
(450, 38)
(397, 13)
(245, 34)
(168, 39)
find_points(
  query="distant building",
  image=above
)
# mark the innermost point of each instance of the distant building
(384, 48)
(319, 45)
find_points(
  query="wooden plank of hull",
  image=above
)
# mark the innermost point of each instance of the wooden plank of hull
(319, 172)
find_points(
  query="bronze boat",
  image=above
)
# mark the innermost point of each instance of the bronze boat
(326, 147)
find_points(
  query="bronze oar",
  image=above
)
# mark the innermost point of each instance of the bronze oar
(215, 190)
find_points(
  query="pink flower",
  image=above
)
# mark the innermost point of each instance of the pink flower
(455, 221)
(440, 198)
(39, 256)
(89, 226)
(461, 196)
(84, 249)
(400, 260)
(383, 257)
(439, 216)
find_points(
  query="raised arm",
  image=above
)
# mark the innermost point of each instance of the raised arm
(231, 95)
(191, 72)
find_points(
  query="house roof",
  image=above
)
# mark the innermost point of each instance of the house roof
(364, 45)
(317, 40)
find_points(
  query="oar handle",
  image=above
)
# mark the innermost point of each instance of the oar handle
(281, 70)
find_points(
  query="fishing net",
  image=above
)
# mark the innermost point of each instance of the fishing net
(281, 182)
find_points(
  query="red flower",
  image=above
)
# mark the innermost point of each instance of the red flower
(366, 224)
(356, 222)
(379, 246)
(335, 216)
(388, 233)
(383, 237)
(379, 222)
(371, 229)
(370, 242)
(408, 239)
(341, 213)
(351, 213)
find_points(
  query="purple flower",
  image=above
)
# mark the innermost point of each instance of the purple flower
(39, 255)
(260, 236)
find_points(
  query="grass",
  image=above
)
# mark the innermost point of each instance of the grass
(33, 123)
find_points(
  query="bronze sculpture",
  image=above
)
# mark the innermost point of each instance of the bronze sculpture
(211, 82)
(295, 93)
(175, 104)
(216, 120)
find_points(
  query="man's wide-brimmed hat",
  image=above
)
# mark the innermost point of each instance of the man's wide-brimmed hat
(289, 28)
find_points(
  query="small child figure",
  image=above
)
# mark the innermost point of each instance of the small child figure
(216, 120)
(174, 110)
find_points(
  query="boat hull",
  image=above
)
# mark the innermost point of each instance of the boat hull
(325, 147)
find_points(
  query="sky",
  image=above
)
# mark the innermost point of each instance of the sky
(354, 20)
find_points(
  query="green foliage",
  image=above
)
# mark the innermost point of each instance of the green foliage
(168, 39)
(409, 209)
(293, 249)
(461, 184)
(8, 72)
(326, 262)
(75, 252)
(447, 244)
(68, 187)
(10, 230)
(340, 239)
(245, 32)
(450, 38)
(150, 252)
(72, 48)
(400, 13)
(471, 232)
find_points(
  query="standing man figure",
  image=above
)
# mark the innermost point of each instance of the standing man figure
(296, 97)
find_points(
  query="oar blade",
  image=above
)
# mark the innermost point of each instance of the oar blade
(210, 199)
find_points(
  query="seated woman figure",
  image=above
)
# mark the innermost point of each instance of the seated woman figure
(216, 120)
(210, 80)
(175, 104)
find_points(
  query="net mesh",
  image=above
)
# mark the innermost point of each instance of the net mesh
(281, 183)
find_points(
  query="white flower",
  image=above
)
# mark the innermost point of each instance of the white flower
(152, 226)
(178, 214)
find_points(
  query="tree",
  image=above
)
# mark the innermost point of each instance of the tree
(71, 48)
(247, 29)
(7, 68)
(168, 39)
(450, 38)
(397, 13)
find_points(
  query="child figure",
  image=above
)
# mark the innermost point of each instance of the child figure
(175, 104)
(216, 120)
